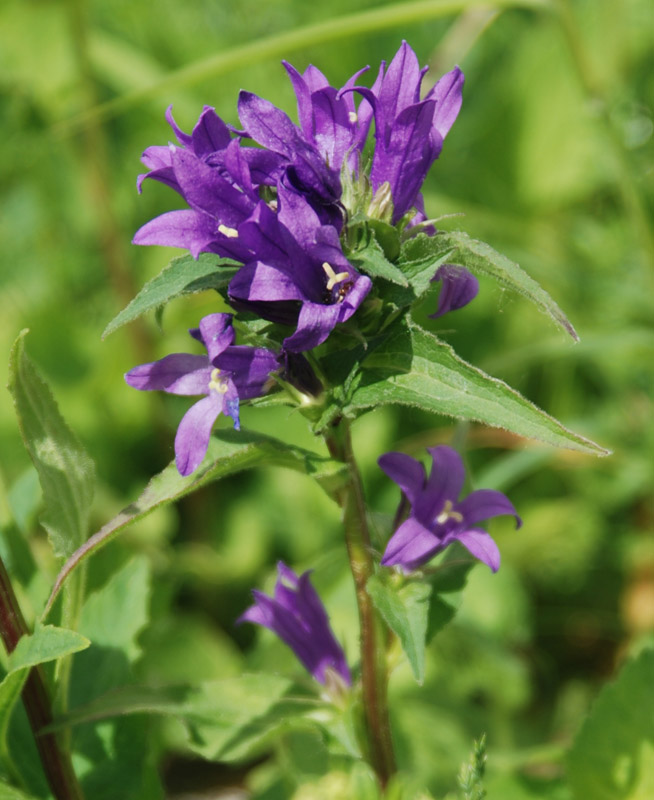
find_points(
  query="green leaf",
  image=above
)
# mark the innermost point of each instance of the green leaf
(405, 611)
(480, 258)
(612, 757)
(412, 367)
(227, 718)
(370, 259)
(47, 643)
(184, 275)
(66, 472)
(447, 580)
(229, 452)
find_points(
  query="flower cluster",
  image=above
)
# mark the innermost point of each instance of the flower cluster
(277, 199)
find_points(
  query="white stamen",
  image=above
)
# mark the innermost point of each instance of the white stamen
(352, 116)
(230, 233)
(217, 383)
(334, 278)
(447, 513)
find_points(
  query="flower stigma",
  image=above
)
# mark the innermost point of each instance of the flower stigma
(352, 116)
(217, 383)
(447, 513)
(230, 233)
(334, 278)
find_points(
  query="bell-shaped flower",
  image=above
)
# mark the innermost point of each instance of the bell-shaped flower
(409, 132)
(300, 275)
(437, 517)
(296, 614)
(305, 169)
(329, 117)
(227, 375)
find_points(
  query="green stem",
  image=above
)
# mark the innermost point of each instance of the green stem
(374, 677)
(56, 762)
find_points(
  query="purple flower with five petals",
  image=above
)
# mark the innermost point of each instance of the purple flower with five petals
(437, 516)
(296, 614)
(409, 132)
(226, 375)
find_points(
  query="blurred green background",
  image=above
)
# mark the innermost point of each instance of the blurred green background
(551, 161)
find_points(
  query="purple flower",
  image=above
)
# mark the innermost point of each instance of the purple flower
(300, 275)
(226, 375)
(409, 132)
(437, 517)
(305, 168)
(459, 287)
(329, 118)
(296, 614)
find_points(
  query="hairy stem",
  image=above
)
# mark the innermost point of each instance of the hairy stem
(56, 762)
(374, 675)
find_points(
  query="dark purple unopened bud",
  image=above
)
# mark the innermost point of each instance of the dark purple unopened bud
(459, 287)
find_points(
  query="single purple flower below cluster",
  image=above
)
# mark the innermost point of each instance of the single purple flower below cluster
(437, 517)
(226, 375)
(296, 614)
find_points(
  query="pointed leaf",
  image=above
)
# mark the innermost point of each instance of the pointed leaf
(66, 472)
(612, 757)
(412, 367)
(406, 612)
(47, 643)
(229, 452)
(184, 275)
(227, 717)
(481, 259)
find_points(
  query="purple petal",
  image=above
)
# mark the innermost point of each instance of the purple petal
(334, 130)
(194, 432)
(268, 125)
(401, 84)
(257, 282)
(297, 216)
(179, 373)
(445, 483)
(210, 133)
(314, 79)
(303, 95)
(187, 229)
(408, 473)
(459, 287)
(250, 368)
(485, 504)
(315, 323)
(411, 546)
(447, 94)
(239, 170)
(205, 190)
(217, 333)
(405, 161)
(481, 545)
(182, 138)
